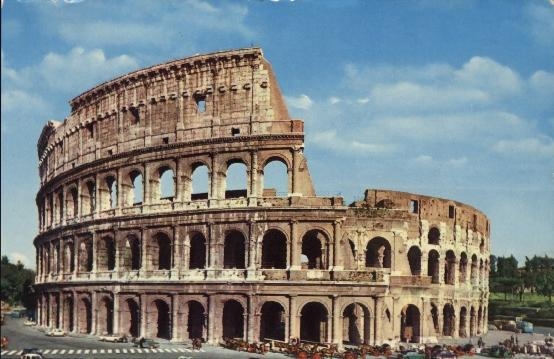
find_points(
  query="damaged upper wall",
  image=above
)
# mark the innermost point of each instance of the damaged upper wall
(218, 95)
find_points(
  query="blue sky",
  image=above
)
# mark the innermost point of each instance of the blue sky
(452, 99)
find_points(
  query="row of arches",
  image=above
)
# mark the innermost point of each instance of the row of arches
(161, 252)
(158, 319)
(135, 185)
(434, 237)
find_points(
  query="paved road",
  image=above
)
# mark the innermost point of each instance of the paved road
(89, 347)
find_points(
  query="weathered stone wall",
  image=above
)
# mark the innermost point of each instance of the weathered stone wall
(117, 254)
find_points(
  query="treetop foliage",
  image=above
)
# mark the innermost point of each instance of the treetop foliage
(16, 283)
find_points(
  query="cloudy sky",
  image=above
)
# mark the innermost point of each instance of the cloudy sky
(452, 99)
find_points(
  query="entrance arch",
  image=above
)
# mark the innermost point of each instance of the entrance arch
(233, 320)
(463, 318)
(85, 316)
(131, 318)
(414, 259)
(410, 324)
(105, 316)
(313, 322)
(272, 322)
(378, 253)
(448, 317)
(162, 320)
(233, 253)
(68, 314)
(314, 248)
(433, 266)
(356, 324)
(274, 250)
(195, 320)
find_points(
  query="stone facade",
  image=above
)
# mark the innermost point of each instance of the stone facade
(119, 253)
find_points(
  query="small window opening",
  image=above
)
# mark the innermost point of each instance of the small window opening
(451, 211)
(90, 131)
(414, 206)
(135, 115)
(110, 152)
(201, 103)
(165, 140)
(235, 131)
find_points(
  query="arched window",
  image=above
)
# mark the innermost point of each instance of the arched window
(200, 182)
(88, 198)
(130, 318)
(313, 322)
(236, 183)
(72, 203)
(162, 319)
(195, 320)
(167, 183)
(233, 256)
(414, 258)
(463, 267)
(433, 266)
(410, 324)
(378, 253)
(197, 251)
(105, 316)
(275, 179)
(434, 235)
(450, 268)
(136, 192)
(112, 185)
(356, 323)
(131, 255)
(233, 319)
(449, 320)
(272, 321)
(314, 245)
(274, 250)
(161, 252)
(106, 253)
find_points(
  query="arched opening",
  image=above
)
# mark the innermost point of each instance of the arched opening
(131, 319)
(60, 206)
(167, 183)
(236, 180)
(57, 257)
(274, 250)
(350, 258)
(410, 324)
(472, 322)
(474, 268)
(85, 256)
(137, 188)
(131, 256)
(111, 183)
(161, 252)
(88, 198)
(272, 322)
(433, 266)
(233, 256)
(105, 316)
(68, 314)
(481, 271)
(313, 247)
(197, 252)
(200, 182)
(162, 320)
(378, 253)
(450, 268)
(434, 235)
(85, 316)
(313, 322)
(448, 320)
(233, 320)
(106, 254)
(463, 267)
(414, 258)
(463, 318)
(195, 320)
(72, 203)
(482, 246)
(275, 179)
(435, 317)
(356, 324)
(69, 257)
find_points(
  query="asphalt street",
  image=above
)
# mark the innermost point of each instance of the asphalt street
(89, 347)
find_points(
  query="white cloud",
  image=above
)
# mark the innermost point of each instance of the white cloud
(488, 75)
(457, 162)
(541, 24)
(14, 257)
(424, 159)
(538, 146)
(334, 100)
(330, 140)
(302, 102)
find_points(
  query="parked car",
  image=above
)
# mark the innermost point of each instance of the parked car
(114, 338)
(147, 343)
(56, 332)
(525, 327)
(29, 323)
(31, 356)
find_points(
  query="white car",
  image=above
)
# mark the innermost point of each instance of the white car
(56, 332)
(29, 323)
(114, 338)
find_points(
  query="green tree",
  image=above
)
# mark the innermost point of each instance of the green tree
(16, 283)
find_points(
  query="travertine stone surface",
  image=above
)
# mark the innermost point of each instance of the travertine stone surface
(121, 251)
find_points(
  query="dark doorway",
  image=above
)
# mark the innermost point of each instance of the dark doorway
(356, 324)
(233, 256)
(433, 266)
(313, 324)
(414, 258)
(163, 320)
(195, 320)
(134, 318)
(274, 250)
(197, 251)
(272, 324)
(410, 324)
(233, 320)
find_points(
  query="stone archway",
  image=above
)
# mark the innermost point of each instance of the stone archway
(85, 316)
(163, 319)
(233, 320)
(410, 324)
(356, 324)
(272, 321)
(448, 320)
(313, 322)
(195, 320)
(130, 319)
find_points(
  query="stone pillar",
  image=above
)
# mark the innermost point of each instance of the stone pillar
(116, 312)
(294, 322)
(176, 252)
(295, 165)
(178, 197)
(185, 259)
(295, 246)
(75, 311)
(97, 197)
(120, 196)
(143, 315)
(94, 313)
(337, 237)
(253, 178)
(252, 243)
(143, 253)
(378, 321)
(213, 179)
(147, 190)
(175, 335)
(211, 319)
(337, 322)
(252, 320)
(94, 254)
(61, 311)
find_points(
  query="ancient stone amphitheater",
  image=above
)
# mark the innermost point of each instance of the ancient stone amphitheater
(141, 233)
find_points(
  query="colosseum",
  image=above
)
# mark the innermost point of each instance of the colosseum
(141, 234)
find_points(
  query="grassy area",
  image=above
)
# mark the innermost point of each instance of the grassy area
(512, 306)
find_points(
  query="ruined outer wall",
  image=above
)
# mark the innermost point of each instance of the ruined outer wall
(109, 263)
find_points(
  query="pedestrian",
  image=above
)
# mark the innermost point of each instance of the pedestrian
(480, 342)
